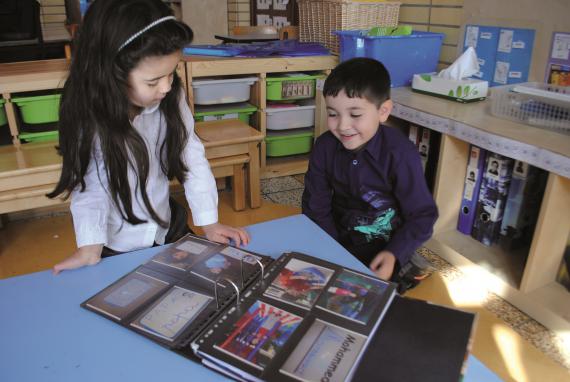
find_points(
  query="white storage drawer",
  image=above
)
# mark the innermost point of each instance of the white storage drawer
(290, 116)
(209, 91)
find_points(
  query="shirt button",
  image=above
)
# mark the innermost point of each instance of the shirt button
(355, 162)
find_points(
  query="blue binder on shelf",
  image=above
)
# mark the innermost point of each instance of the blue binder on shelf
(414, 134)
(523, 205)
(424, 146)
(473, 177)
(492, 198)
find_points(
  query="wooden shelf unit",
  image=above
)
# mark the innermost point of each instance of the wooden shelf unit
(202, 66)
(530, 285)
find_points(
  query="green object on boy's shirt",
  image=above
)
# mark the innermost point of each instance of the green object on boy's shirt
(382, 226)
(400, 30)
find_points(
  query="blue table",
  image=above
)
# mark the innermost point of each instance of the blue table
(46, 336)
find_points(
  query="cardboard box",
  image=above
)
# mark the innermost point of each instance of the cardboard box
(464, 91)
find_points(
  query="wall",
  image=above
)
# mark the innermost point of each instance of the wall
(206, 18)
(238, 13)
(544, 16)
(440, 16)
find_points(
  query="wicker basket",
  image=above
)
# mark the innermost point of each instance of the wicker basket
(319, 18)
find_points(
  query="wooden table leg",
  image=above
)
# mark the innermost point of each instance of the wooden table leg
(253, 176)
(238, 187)
(11, 116)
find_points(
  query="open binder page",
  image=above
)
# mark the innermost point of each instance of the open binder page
(306, 320)
(178, 292)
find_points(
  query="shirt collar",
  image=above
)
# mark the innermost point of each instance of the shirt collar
(150, 109)
(373, 145)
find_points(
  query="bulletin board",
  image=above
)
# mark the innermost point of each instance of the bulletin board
(279, 13)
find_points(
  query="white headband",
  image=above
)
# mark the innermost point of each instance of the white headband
(153, 24)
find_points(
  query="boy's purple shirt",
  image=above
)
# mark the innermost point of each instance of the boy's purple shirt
(344, 189)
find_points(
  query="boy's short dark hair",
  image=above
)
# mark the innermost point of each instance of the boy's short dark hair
(360, 77)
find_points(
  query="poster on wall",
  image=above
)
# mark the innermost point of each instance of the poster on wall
(558, 66)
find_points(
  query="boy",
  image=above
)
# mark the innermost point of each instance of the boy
(365, 185)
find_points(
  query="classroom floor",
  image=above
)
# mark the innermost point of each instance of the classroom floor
(513, 345)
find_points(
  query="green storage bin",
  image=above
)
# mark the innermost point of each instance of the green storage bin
(44, 136)
(290, 86)
(288, 142)
(3, 119)
(241, 111)
(39, 109)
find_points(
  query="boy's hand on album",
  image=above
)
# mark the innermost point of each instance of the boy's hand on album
(86, 255)
(223, 234)
(383, 265)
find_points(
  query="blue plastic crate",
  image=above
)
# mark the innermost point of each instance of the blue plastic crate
(403, 56)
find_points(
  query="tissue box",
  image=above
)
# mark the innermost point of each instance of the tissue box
(466, 90)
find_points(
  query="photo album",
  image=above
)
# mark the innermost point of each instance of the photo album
(255, 318)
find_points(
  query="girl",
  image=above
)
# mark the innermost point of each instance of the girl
(126, 130)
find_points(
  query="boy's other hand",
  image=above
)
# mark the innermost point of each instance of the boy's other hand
(87, 255)
(223, 234)
(383, 265)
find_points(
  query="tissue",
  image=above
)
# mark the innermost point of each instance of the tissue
(454, 83)
(465, 66)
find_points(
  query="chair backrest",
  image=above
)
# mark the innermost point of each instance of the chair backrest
(251, 30)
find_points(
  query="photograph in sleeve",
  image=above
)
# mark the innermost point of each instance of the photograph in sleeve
(219, 266)
(124, 296)
(299, 283)
(326, 353)
(259, 334)
(353, 296)
(172, 313)
(177, 258)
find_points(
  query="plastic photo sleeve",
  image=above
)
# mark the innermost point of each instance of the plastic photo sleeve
(353, 296)
(239, 254)
(325, 353)
(192, 246)
(121, 298)
(217, 266)
(299, 283)
(259, 334)
(172, 313)
(176, 258)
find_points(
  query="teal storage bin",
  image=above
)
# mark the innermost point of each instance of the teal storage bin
(403, 56)
(3, 119)
(241, 111)
(288, 142)
(39, 109)
(291, 86)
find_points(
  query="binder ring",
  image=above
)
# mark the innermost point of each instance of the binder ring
(258, 263)
(216, 295)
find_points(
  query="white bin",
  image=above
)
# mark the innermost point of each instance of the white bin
(290, 116)
(208, 91)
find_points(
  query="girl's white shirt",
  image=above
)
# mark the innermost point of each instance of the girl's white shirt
(97, 220)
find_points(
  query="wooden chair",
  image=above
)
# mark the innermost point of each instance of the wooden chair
(71, 28)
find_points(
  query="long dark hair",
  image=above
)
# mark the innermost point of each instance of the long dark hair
(95, 102)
